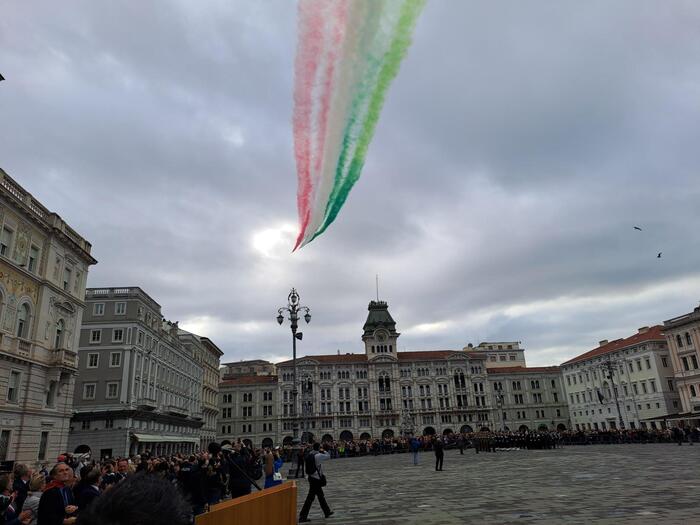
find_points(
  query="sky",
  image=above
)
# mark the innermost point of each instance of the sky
(519, 145)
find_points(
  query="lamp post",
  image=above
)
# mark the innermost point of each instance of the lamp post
(293, 309)
(499, 404)
(609, 368)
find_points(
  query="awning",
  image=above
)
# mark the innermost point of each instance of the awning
(155, 438)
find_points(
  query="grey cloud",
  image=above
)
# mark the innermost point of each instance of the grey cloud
(518, 146)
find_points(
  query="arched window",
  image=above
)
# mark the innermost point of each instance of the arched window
(23, 321)
(679, 341)
(58, 341)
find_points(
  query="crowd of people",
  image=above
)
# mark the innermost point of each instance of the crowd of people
(77, 487)
(65, 494)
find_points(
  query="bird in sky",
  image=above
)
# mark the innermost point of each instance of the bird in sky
(659, 256)
(2, 78)
(637, 228)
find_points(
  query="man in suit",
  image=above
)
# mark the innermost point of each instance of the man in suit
(88, 488)
(57, 506)
(439, 448)
(21, 485)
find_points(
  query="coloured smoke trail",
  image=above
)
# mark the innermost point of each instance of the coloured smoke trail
(349, 51)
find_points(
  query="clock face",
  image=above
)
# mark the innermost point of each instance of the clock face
(381, 337)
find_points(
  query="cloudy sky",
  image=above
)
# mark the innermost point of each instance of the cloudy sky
(519, 145)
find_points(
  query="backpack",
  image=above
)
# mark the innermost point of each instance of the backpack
(254, 469)
(310, 463)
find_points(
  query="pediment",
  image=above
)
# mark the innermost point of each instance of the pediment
(383, 359)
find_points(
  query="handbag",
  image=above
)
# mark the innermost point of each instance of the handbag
(323, 480)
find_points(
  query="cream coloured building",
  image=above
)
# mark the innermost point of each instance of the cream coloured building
(683, 339)
(207, 354)
(642, 382)
(382, 392)
(43, 269)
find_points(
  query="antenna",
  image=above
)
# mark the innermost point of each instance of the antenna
(377, 282)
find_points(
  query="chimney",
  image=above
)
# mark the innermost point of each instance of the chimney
(603, 342)
(643, 329)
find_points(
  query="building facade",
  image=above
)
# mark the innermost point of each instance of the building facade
(683, 339)
(208, 355)
(249, 409)
(634, 374)
(139, 386)
(253, 367)
(43, 270)
(382, 392)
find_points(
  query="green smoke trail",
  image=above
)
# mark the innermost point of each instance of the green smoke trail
(389, 68)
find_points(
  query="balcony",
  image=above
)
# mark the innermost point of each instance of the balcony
(176, 410)
(147, 403)
(64, 358)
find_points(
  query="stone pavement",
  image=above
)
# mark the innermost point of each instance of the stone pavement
(635, 484)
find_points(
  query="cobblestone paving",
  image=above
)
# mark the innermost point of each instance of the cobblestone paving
(635, 484)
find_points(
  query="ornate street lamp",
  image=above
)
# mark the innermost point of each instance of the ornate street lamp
(293, 309)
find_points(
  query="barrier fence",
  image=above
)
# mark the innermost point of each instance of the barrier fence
(273, 506)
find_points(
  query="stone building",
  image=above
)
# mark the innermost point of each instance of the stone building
(382, 392)
(140, 385)
(634, 374)
(683, 339)
(249, 409)
(208, 355)
(529, 398)
(253, 367)
(43, 268)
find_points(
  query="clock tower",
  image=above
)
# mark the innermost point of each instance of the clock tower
(380, 333)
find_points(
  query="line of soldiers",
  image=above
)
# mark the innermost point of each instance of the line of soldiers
(492, 441)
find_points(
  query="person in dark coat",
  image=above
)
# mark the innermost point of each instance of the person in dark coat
(21, 485)
(57, 505)
(239, 481)
(88, 488)
(192, 480)
(439, 448)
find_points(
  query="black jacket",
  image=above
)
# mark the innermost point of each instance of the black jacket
(52, 506)
(22, 490)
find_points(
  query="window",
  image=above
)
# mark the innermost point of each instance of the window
(109, 423)
(693, 393)
(664, 362)
(5, 241)
(67, 273)
(112, 390)
(51, 394)
(43, 444)
(58, 340)
(85, 425)
(670, 385)
(685, 364)
(652, 383)
(115, 359)
(639, 365)
(118, 335)
(93, 360)
(95, 337)
(119, 308)
(679, 341)
(648, 364)
(33, 259)
(89, 391)
(140, 338)
(23, 321)
(694, 359)
(13, 387)
(98, 309)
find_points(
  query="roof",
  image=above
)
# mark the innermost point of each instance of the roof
(655, 333)
(523, 369)
(379, 317)
(423, 355)
(248, 380)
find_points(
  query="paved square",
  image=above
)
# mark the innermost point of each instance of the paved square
(657, 483)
